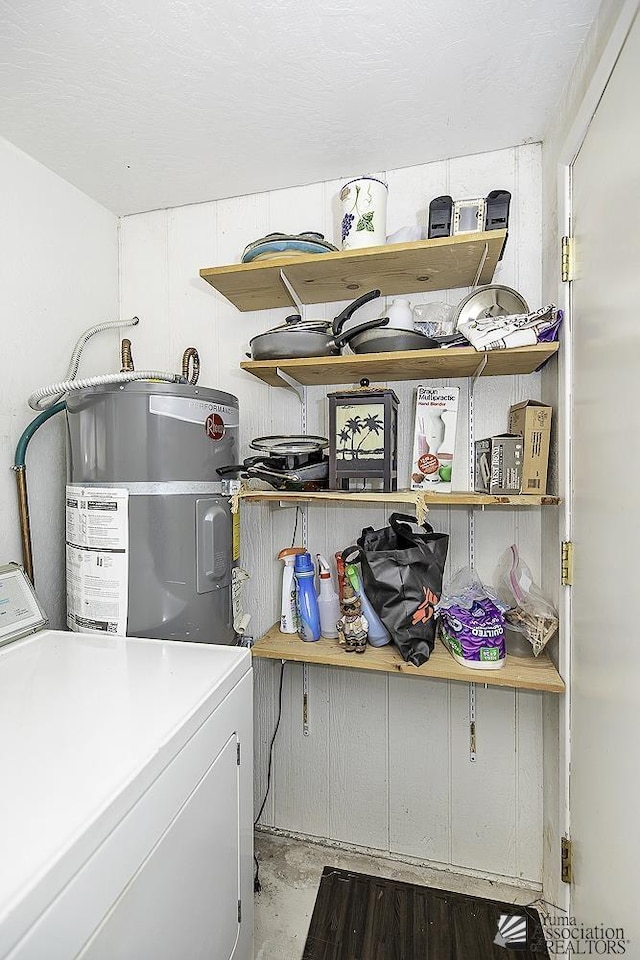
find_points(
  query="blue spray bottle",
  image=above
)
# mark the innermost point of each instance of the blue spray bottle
(306, 599)
(378, 633)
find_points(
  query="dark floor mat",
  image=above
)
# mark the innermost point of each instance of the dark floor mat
(358, 917)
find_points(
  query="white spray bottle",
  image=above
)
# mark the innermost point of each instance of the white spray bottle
(289, 615)
(328, 600)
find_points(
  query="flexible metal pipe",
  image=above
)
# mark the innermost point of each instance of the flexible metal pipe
(76, 354)
(64, 387)
(20, 467)
(126, 357)
(191, 358)
(47, 396)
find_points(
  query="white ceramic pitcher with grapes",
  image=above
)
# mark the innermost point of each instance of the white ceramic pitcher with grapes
(364, 213)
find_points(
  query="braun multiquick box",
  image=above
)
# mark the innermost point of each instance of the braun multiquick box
(434, 438)
(498, 465)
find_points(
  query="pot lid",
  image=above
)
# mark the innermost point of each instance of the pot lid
(494, 300)
(295, 324)
(288, 445)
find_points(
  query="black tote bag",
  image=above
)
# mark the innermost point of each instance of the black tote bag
(402, 567)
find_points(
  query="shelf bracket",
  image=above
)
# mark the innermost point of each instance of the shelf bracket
(479, 370)
(483, 260)
(305, 699)
(294, 296)
(292, 384)
(472, 723)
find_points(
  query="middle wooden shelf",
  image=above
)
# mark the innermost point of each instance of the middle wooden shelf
(403, 365)
(415, 498)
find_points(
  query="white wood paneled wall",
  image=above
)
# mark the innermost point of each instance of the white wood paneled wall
(74, 241)
(386, 762)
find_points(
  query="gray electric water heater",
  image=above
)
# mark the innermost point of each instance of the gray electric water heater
(162, 442)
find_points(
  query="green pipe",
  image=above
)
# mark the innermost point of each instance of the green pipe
(20, 468)
(28, 432)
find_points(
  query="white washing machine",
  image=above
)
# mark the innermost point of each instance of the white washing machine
(126, 797)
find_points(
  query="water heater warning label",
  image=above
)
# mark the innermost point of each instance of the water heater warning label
(97, 535)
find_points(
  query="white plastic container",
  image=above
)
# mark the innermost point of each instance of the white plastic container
(288, 613)
(364, 213)
(400, 315)
(328, 600)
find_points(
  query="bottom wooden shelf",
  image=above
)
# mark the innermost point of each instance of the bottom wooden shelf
(524, 673)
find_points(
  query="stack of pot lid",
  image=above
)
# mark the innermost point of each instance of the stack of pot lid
(492, 300)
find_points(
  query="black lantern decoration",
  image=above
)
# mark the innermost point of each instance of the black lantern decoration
(363, 437)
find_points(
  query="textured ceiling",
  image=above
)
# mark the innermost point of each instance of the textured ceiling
(153, 103)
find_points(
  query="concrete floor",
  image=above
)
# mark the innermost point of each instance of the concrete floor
(290, 872)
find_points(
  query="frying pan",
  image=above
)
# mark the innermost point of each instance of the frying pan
(380, 340)
(312, 338)
(306, 476)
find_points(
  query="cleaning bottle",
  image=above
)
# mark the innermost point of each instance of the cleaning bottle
(288, 615)
(328, 601)
(378, 633)
(306, 599)
(340, 572)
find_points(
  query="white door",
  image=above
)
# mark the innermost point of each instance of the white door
(605, 683)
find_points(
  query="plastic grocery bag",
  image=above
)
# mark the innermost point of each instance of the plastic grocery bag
(402, 567)
(530, 613)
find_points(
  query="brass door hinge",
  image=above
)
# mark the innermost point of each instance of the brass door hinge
(567, 563)
(567, 259)
(566, 860)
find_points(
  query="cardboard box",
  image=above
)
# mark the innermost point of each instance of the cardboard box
(434, 438)
(498, 465)
(532, 421)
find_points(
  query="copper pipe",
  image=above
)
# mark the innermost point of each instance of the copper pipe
(191, 355)
(126, 357)
(25, 525)
(19, 465)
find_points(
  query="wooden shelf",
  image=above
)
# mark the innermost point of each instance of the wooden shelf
(412, 497)
(425, 265)
(523, 673)
(403, 365)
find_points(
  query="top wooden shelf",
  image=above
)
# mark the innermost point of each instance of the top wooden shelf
(425, 265)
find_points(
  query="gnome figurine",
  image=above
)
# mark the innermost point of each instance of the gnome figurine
(353, 627)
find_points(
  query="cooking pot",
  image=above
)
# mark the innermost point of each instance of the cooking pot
(288, 463)
(312, 338)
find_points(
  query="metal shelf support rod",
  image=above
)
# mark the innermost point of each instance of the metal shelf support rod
(483, 260)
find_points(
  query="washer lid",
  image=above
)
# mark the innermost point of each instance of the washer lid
(20, 610)
(494, 300)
